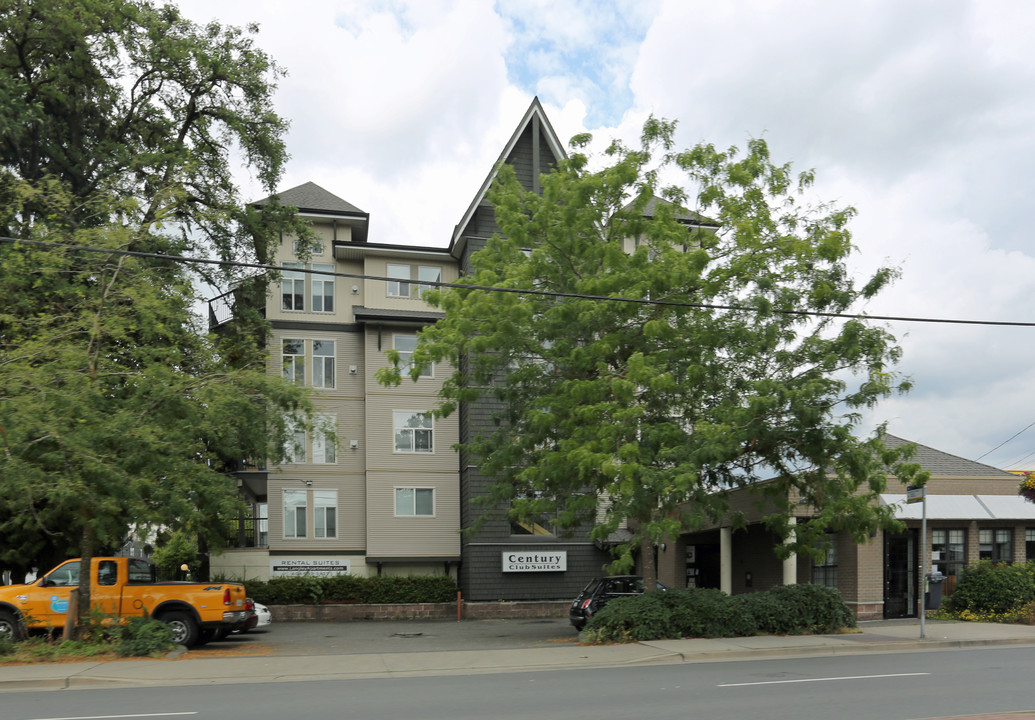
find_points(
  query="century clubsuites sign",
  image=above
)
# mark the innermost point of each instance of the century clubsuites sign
(535, 561)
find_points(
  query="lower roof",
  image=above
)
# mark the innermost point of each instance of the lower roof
(963, 507)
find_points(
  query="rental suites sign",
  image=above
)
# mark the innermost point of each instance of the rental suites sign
(535, 561)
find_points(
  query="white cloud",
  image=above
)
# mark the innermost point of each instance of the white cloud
(920, 114)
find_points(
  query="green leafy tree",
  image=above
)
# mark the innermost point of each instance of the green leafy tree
(123, 123)
(647, 358)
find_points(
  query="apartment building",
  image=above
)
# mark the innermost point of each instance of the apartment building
(391, 496)
(377, 492)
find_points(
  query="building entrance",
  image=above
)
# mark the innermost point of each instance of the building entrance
(900, 574)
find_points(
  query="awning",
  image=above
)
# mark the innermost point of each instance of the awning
(963, 507)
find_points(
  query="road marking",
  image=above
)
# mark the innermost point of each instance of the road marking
(111, 717)
(805, 680)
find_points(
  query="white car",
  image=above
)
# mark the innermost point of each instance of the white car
(263, 614)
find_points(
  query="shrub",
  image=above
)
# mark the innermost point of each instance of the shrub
(142, 636)
(7, 645)
(784, 610)
(352, 589)
(988, 588)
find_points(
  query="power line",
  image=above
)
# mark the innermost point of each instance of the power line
(520, 291)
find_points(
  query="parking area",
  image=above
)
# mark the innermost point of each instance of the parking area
(393, 636)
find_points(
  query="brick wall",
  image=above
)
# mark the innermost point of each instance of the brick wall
(421, 611)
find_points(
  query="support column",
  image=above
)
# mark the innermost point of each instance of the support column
(726, 560)
(790, 564)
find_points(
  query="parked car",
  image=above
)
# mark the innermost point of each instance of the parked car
(600, 592)
(258, 616)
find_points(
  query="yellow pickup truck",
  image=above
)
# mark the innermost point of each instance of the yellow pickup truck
(125, 587)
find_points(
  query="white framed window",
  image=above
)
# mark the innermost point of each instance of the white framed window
(295, 511)
(325, 513)
(413, 501)
(294, 447)
(292, 354)
(323, 289)
(414, 432)
(425, 274)
(324, 443)
(398, 285)
(323, 363)
(292, 287)
(405, 344)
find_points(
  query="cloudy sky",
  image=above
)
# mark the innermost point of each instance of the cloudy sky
(919, 113)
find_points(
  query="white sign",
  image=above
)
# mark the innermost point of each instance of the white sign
(535, 561)
(314, 566)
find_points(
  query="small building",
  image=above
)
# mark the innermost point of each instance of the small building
(973, 512)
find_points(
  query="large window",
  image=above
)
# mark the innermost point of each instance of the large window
(294, 513)
(413, 432)
(948, 555)
(426, 274)
(996, 544)
(824, 567)
(294, 447)
(325, 513)
(399, 285)
(292, 287)
(292, 354)
(414, 501)
(324, 434)
(323, 363)
(323, 289)
(1029, 544)
(405, 344)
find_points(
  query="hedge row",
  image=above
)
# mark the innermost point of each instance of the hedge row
(784, 610)
(989, 588)
(352, 589)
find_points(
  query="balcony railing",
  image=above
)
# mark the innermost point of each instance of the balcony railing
(247, 532)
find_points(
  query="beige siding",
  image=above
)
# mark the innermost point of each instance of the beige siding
(376, 291)
(409, 536)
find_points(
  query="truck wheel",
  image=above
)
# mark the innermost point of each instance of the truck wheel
(185, 631)
(10, 627)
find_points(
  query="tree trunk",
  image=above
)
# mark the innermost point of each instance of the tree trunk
(650, 570)
(85, 561)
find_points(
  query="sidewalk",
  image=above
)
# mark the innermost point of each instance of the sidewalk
(193, 669)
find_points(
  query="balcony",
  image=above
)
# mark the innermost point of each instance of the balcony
(247, 532)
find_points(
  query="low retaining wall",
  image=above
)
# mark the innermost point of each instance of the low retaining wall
(421, 611)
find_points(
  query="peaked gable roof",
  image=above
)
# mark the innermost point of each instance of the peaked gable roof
(535, 115)
(682, 215)
(944, 464)
(311, 198)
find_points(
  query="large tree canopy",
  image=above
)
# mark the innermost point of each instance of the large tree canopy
(669, 344)
(122, 128)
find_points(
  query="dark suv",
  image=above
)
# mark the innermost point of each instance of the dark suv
(601, 591)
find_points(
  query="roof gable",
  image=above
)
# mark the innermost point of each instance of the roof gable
(534, 119)
(944, 464)
(311, 198)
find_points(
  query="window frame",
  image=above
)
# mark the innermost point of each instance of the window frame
(325, 363)
(406, 356)
(324, 511)
(292, 520)
(413, 490)
(421, 279)
(290, 274)
(412, 432)
(297, 361)
(1000, 551)
(324, 449)
(399, 282)
(824, 570)
(325, 285)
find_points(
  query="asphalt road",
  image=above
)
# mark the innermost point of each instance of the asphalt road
(392, 636)
(897, 686)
